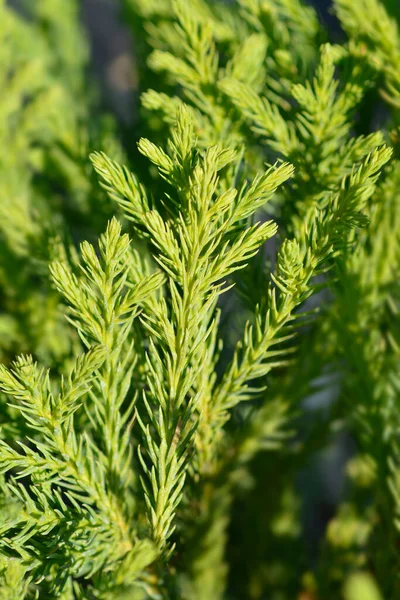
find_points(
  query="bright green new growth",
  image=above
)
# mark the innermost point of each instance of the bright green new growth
(151, 443)
(198, 248)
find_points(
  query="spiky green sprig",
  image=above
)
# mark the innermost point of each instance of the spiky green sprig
(91, 471)
(199, 246)
(268, 424)
(323, 235)
(63, 468)
(317, 139)
(194, 62)
(103, 307)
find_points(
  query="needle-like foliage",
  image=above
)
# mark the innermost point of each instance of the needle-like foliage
(189, 322)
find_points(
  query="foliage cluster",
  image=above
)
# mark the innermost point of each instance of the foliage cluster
(198, 318)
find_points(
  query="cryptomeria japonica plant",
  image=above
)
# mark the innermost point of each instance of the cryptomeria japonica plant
(170, 312)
